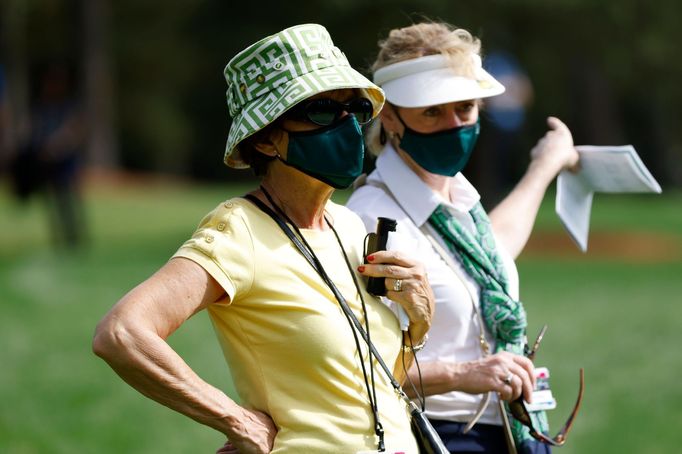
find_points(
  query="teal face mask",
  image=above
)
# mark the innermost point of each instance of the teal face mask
(333, 154)
(443, 152)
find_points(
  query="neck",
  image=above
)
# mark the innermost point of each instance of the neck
(440, 184)
(300, 197)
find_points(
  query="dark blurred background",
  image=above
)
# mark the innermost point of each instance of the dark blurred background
(144, 78)
(131, 92)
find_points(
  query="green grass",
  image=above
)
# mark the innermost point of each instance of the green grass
(618, 320)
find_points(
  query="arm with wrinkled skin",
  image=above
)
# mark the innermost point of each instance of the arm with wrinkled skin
(479, 376)
(131, 338)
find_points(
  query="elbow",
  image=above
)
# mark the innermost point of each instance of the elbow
(108, 341)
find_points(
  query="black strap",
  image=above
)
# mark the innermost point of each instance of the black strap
(314, 262)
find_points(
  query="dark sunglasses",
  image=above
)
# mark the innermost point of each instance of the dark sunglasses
(325, 111)
(520, 412)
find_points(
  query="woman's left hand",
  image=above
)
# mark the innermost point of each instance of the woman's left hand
(407, 285)
(555, 151)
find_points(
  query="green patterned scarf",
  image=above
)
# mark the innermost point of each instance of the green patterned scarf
(502, 315)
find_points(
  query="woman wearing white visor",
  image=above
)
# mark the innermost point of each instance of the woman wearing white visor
(433, 80)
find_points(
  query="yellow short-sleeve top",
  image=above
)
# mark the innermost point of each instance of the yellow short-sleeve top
(289, 346)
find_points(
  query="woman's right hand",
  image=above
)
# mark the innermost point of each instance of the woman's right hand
(505, 373)
(407, 285)
(255, 434)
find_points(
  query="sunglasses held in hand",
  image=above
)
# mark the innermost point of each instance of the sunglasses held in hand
(519, 411)
(325, 111)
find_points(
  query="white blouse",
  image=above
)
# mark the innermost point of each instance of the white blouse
(455, 328)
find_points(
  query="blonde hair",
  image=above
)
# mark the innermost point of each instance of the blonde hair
(420, 40)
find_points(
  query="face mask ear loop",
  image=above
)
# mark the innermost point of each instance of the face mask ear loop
(277, 155)
(402, 122)
(382, 132)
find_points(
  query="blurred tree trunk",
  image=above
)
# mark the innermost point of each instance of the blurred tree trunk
(102, 143)
(15, 114)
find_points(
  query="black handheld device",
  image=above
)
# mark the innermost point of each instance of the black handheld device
(377, 242)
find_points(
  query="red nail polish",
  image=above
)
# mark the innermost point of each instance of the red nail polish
(370, 258)
(361, 268)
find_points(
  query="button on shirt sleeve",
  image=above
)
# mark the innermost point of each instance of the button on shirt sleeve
(222, 246)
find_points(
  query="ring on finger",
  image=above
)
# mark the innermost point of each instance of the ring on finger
(508, 379)
(398, 285)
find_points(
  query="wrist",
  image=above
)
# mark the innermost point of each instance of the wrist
(547, 164)
(233, 423)
(409, 347)
(459, 373)
(416, 332)
(541, 172)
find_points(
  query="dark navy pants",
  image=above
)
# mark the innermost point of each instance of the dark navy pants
(482, 438)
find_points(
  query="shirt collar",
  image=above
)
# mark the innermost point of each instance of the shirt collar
(414, 196)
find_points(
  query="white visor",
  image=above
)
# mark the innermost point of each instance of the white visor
(430, 80)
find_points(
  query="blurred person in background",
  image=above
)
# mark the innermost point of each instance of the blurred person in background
(434, 82)
(504, 118)
(50, 162)
(3, 121)
(305, 380)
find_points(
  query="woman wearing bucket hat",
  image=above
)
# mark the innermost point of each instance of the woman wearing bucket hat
(434, 81)
(266, 267)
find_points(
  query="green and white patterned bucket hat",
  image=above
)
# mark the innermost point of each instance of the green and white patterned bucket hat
(271, 76)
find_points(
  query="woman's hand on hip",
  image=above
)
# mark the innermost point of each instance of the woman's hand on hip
(254, 434)
(406, 284)
(555, 152)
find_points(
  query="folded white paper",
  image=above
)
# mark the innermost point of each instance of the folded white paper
(610, 169)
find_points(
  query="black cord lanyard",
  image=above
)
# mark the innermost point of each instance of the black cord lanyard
(307, 251)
